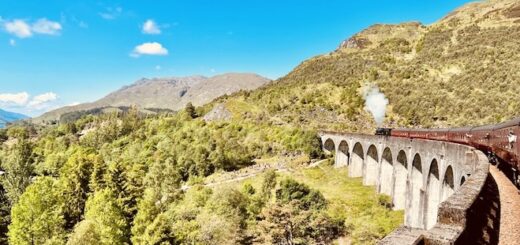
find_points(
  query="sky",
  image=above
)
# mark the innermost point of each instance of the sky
(62, 52)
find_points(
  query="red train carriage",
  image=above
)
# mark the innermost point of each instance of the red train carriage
(481, 136)
(498, 141)
(402, 132)
(419, 133)
(504, 143)
(438, 134)
(459, 135)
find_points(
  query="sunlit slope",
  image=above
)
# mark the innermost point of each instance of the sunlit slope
(461, 70)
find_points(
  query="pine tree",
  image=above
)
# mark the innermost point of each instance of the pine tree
(37, 217)
(74, 181)
(190, 110)
(85, 233)
(102, 209)
(18, 167)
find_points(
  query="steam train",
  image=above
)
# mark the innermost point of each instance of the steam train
(498, 141)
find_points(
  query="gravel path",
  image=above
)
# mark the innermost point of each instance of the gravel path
(509, 209)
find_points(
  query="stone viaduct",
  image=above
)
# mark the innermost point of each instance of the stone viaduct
(440, 186)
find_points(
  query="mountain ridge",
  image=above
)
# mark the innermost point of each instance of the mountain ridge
(171, 93)
(8, 117)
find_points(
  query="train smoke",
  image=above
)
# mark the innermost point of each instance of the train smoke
(375, 103)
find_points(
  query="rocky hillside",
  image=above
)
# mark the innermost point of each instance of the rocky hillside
(166, 93)
(461, 70)
(7, 117)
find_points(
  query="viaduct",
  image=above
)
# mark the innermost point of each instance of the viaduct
(444, 188)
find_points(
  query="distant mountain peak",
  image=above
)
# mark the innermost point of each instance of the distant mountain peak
(171, 93)
(8, 117)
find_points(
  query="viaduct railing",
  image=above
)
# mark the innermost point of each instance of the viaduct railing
(444, 188)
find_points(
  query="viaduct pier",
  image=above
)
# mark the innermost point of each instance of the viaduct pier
(445, 189)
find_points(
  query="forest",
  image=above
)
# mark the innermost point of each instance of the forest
(117, 178)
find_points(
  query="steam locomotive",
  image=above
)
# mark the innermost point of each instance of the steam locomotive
(498, 141)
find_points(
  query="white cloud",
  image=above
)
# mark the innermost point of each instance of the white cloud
(41, 99)
(23, 29)
(19, 28)
(14, 99)
(45, 26)
(74, 103)
(158, 67)
(152, 48)
(150, 27)
(111, 13)
(12, 42)
(24, 103)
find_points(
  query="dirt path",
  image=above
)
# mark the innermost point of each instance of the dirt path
(252, 171)
(238, 176)
(509, 209)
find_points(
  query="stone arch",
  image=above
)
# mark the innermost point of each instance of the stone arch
(462, 180)
(432, 195)
(356, 161)
(371, 166)
(414, 213)
(400, 176)
(387, 171)
(448, 186)
(343, 155)
(329, 146)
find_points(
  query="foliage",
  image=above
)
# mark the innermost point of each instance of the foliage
(288, 224)
(268, 184)
(17, 164)
(85, 233)
(290, 190)
(107, 216)
(190, 110)
(37, 217)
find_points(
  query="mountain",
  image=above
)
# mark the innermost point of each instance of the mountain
(461, 70)
(7, 117)
(171, 93)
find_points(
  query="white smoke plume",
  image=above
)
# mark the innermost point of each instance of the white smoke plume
(375, 102)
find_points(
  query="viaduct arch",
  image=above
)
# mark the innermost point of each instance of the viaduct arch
(434, 182)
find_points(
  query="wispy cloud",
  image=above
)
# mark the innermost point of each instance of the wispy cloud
(45, 26)
(152, 48)
(19, 28)
(67, 17)
(22, 102)
(14, 98)
(12, 42)
(111, 13)
(41, 99)
(23, 29)
(151, 27)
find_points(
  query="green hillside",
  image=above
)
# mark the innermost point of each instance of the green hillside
(462, 70)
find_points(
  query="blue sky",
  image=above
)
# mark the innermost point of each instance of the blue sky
(55, 53)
